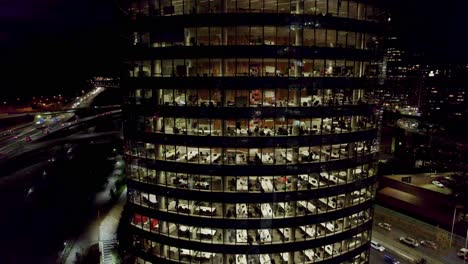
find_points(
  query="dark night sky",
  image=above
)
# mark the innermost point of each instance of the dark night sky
(53, 45)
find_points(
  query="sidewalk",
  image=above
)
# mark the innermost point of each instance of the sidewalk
(104, 226)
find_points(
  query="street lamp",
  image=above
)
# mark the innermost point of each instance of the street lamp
(453, 224)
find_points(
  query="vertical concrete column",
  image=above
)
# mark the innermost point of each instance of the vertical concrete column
(224, 5)
(299, 6)
(298, 33)
(361, 11)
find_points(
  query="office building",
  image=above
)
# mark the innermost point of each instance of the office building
(249, 138)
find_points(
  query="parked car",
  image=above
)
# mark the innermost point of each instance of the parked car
(377, 246)
(391, 260)
(386, 226)
(462, 252)
(409, 241)
(429, 244)
(438, 184)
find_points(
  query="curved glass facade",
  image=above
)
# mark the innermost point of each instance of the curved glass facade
(249, 138)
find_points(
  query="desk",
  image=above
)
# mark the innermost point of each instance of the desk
(241, 235)
(206, 231)
(242, 184)
(184, 228)
(206, 255)
(203, 185)
(184, 208)
(324, 174)
(285, 206)
(205, 131)
(191, 155)
(310, 179)
(206, 210)
(182, 158)
(315, 156)
(241, 259)
(150, 198)
(307, 205)
(330, 250)
(309, 230)
(336, 179)
(312, 130)
(213, 157)
(269, 131)
(264, 235)
(285, 231)
(284, 256)
(309, 254)
(265, 158)
(240, 158)
(287, 156)
(332, 154)
(340, 130)
(328, 202)
(265, 259)
(266, 210)
(241, 210)
(330, 227)
(241, 131)
(266, 184)
(170, 154)
(186, 252)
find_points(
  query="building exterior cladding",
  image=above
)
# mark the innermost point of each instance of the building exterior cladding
(248, 135)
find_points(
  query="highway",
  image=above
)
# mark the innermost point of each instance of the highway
(407, 254)
(16, 138)
(378, 257)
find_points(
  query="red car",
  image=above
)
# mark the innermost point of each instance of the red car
(28, 139)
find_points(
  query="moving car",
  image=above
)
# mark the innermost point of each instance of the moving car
(391, 260)
(377, 246)
(409, 241)
(386, 226)
(429, 244)
(438, 184)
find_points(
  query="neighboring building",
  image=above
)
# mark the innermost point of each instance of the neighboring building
(248, 135)
(440, 91)
(393, 91)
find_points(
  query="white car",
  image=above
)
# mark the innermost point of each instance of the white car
(377, 246)
(386, 226)
(438, 184)
(462, 252)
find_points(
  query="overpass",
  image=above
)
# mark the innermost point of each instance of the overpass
(23, 153)
(95, 109)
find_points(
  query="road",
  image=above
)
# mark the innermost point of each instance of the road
(406, 254)
(377, 257)
(15, 138)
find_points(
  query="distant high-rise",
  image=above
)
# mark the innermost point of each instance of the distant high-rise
(248, 135)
